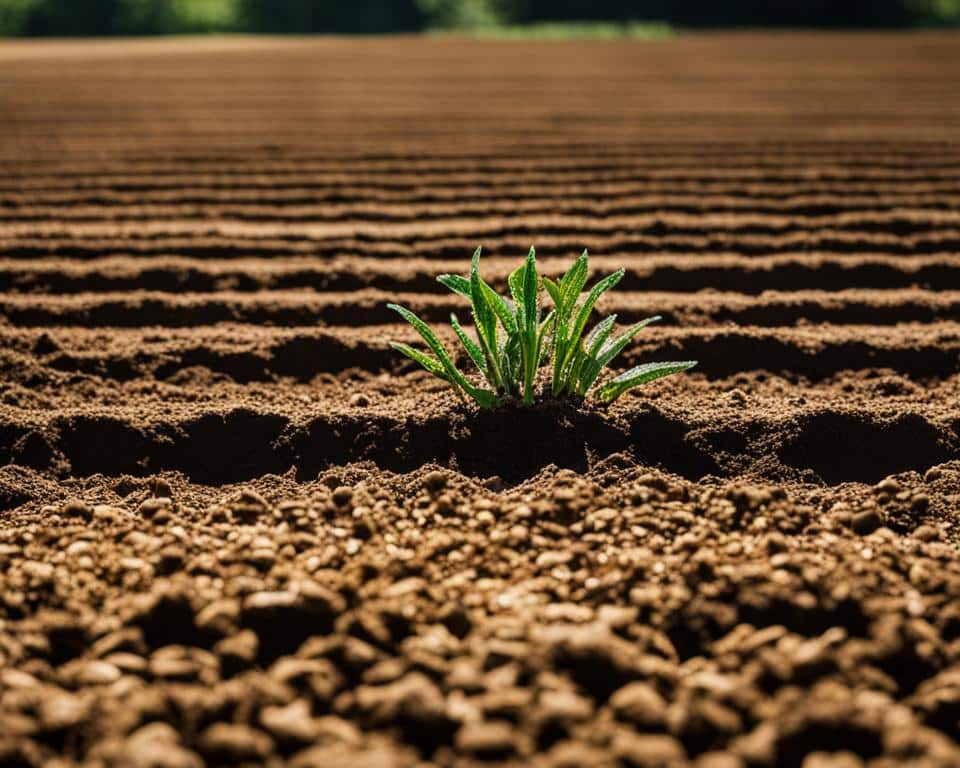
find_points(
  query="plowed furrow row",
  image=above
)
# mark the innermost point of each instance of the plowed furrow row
(256, 353)
(24, 209)
(584, 155)
(235, 442)
(823, 177)
(656, 272)
(901, 222)
(759, 197)
(640, 160)
(451, 247)
(369, 307)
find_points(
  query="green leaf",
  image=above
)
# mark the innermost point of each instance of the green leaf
(531, 290)
(615, 346)
(575, 277)
(600, 333)
(515, 283)
(473, 349)
(457, 284)
(530, 294)
(640, 375)
(585, 370)
(430, 338)
(576, 331)
(565, 343)
(484, 319)
(571, 285)
(553, 289)
(484, 398)
(565, 360)
(501, 308)
(510, 363)
(577, 362)
(544, 336)
(430, 363)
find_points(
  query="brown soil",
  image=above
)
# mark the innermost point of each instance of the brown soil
(237, 529)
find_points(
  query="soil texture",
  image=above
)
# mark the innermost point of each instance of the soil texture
(237, 529)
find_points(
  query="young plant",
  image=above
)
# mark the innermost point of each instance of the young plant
(515, 338)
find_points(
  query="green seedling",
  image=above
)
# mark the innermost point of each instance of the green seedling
(516, 337)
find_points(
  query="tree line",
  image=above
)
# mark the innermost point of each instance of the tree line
(147, 17)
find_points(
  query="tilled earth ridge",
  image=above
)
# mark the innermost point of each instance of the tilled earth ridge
(237, 529)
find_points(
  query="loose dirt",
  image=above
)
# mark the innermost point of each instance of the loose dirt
(236, 529)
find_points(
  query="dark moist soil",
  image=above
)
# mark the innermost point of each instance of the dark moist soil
(237, 529)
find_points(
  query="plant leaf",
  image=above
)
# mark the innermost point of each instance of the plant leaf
(484, 319)
(564, 344)
(600, 333)
(515, 283)
(544, 336)
(430, 363)
(430, 338)
(615, 346)
(530, 293)
(564, 364)
(531, 290)
(571, 284)
(583, 314)
(553, 289)
(510, 363)
(458, 284)
(586, 369)
(484, 398)
(501, 307)
(473, 349)
(641, 374)
(570, 287)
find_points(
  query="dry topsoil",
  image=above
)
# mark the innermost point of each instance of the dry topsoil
(236, 529)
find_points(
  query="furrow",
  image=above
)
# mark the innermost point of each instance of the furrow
(243, 353)
(369, 307)
(656, 272)
(513, 239)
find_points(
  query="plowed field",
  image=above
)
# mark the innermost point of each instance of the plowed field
(236, 528)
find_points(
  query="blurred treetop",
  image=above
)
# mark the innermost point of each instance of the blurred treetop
(149, 17)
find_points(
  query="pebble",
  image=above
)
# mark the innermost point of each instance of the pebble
(866, 522)
(96, 673)
(237, 652)
(60, 711)
(564, 707)
(342, 495)
(843, 759)
(149, 508)
(359, 400)
(640, 704)
(77, 509)
(229, 743)
(640, 750)
(489, 740)
(157, 745)
(435, 480)
(291, 724)
(926, 533)
(414, 697)
(576, 754)
(347, 756)
(719, 760)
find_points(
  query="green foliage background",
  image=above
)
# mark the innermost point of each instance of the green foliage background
(146, 17)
